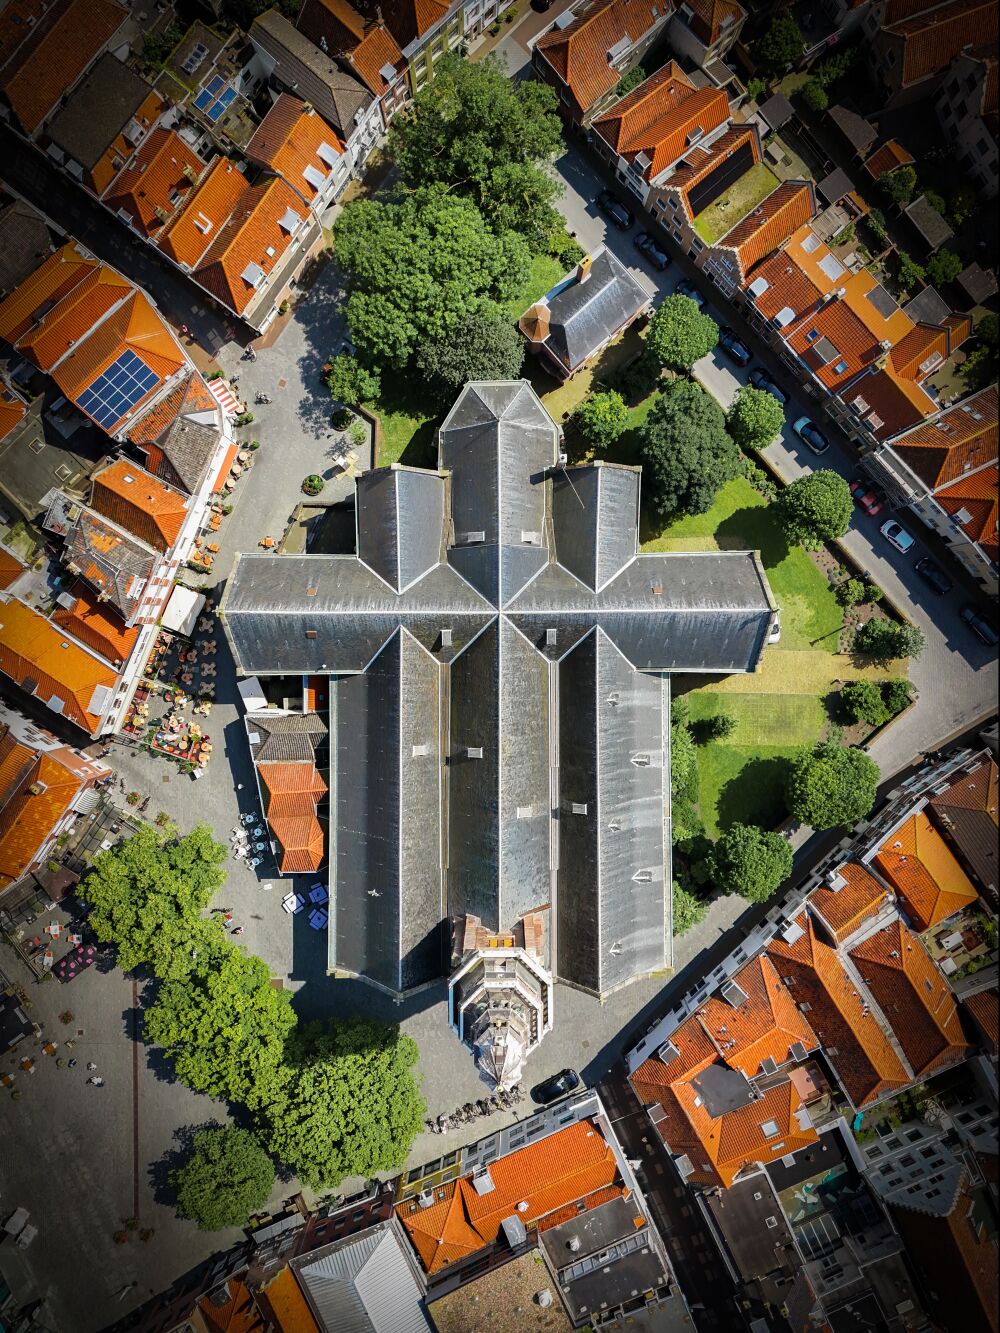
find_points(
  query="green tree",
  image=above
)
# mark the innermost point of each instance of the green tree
(935, 200)
(830, 785)
(888, 640)
(718, 727)
(419, 266)
(755, 87)
(754, 418)
(484, 346)
(815, 509)
(814, 95)
(863, 702)
(683, 763)
(909, 272)
(834, 67)
(350, 382)
(688, 909)
(679, 334)
(686, 452)
(156, 46)
(350, 1105)
(899, 185)
(227, 1177)
(852, 592)
(980, 366)
(962, 205)
(480, 134)
(943, 267)
(225, 1027)
(147, 896)
(602, 417)
(751, 862)
(780, 46)
(630, 81)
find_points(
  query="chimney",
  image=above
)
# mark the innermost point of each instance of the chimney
(583, 268)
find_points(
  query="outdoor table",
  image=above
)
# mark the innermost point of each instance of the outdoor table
(28, 1065)
(7, 1080)
(49, 1048)
(317, 894)
(48, 958)
(76, 939)
(54, 929)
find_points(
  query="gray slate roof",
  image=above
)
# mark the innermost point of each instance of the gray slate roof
(284, 737)
(98, 110)
(490, 677)
(583, 316)
(928, 222)
(363, 1284)
(303, 69)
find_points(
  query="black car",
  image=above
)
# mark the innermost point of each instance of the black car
(541, 5)
(559, 1085)
(734, 349)
(616, 212)
(760, 379)
(647, 246)
(686, 288)
(933, 576)
(982, 626)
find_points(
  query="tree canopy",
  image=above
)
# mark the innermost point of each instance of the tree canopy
(227, 1177)
(418, 266)
(751, 862)
(351, 1105)
(479, 133)
(147, 897)
(754, 418)
(602, 417)
(830, 785)
(900, 184)
(888, 640)
(350, 382)
(782, 44)
(815, 508)
(686, 452)
(484, 346)
(943, 267)
(679, 334)
(688, 909)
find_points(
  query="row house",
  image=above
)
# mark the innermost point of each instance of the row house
(209, 81)
(589, 48)
(704, 31)
(294, 142)
(128, 525)
(365, 45)
(967, 113)
(909, 45)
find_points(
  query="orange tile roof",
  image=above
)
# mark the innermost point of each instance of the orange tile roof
(973, 791)
(36, 654)
(156, 181)
(12, 410)
(658, 116)
(845, 909)
(189, 397)
(702, 162)
(50, 282)
(377, 50)
(789, 288)
(892, 402)
(18, 25)
(579, 52)
(863, 294)
(914, 997)
(409, 19)
(333, 22)
(288, 1306)
(239, 1314)
(958, 441)
(975, 495)
(72, 318)
(294, 791)
(28, 818)
(923, 350)
(765, 1026)
(853, 346)
(10, 567)
(253, 227)
(921, 867)
(773, 221)
(932, 39)
(984, 1007)
(288, 141)
(712, 17)
(559, 1169)
(203, 214)
(887, 158)
(862, 1055)
(44, 68)
(98, 627)
(140, 503)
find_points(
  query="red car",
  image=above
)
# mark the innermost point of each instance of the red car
(870, 500)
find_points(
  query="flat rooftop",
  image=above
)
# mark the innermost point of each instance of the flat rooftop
(753, 1225)
(502, 1301)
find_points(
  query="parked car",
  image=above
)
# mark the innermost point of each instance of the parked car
(869, 497)
(686, 288)
(774, 633)
(559, 1085)
(933, 576)
(897, 536)
(648, 246)
(809, 433)
(540, 6)
(760, 379)
(736, 351)
(981, 625)
(615, 211)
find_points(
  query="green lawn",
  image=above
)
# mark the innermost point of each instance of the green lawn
(746, 193)
(407, 424)
(543, 275)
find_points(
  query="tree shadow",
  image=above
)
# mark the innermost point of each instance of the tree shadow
(756, 794)
(175, 1156)
(324, 330)
(754, 529)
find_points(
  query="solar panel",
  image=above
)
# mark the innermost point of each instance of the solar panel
(204, 100)
(216, 85)
(218, 107)
(117, 390)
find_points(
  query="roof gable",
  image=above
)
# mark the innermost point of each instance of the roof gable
(155, 182)
(51, 665)
(265, 218)
(206, 210)
(773, 221)
(922, 869)
(289, 139)
(579, 52)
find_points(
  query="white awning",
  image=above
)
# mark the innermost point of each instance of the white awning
(252, 695)
(182, 611)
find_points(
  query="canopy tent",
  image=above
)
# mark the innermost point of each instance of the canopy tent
(182, 611)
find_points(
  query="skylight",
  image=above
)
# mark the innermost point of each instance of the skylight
(832, 268)
(117, 390)
(810, 243)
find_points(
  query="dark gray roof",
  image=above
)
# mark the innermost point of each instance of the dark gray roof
(583, 316)
(978, 283)
(860, 133)
(303, 69)
(188, 447)
(110, 559)
(928, 222)
(363, 1284)
(24, 243)
(927, 307)
(98, 110)
(777, 111)
(742, 1214)
(284, 737)
(460, 742)
(722, 1089)
(835, 185)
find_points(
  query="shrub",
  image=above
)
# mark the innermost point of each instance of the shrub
(759, 478)
(602, 417)
(755, 87)
(630, 81)
(909, 272)
(688, 909)
(873, 594)
(862, 702)
(814, 95)
(887, 640)
(351, 383)
(358, 434)
(716, 728)
(935, 200)
(751, 862)
(829, 785)
(851, 592)
(943, 267)
(564, 248)
(900, 184)
(638, 379)
(313, 484)
(896, 694)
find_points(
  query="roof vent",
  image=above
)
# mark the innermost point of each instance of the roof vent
(656, 588)
(471, 537)
(768, 1066)
(474, 752)
(482, 1182)
(522, 1207)
(544, 1298)
(573, 1244)
(551, 637)
(835, 881)
(446, 638)
(579, 807)
(733, 994)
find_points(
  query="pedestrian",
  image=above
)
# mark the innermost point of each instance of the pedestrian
(91, 1066)
(72, 1064)
(228, 916)
(238, 930)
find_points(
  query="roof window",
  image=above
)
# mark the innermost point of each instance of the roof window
(253, 274)
(770, 1129)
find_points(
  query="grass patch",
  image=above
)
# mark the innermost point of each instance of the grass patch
(783, 721)
(408, 422)
(544, 273)
(742, 785)
(718, 218)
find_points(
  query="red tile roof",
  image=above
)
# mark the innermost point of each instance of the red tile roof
(72, 318)
(834, 343)
(140, 503)
(546, 1175)
(887, 158)
(846, 909)
(922, 351)
(921, 867)
(866, 1064)
(765, 1026)
(892, 403)
(975, 496)
(96, 625)
(45, 662)
(36, 791)
(771, 223)
(12, 410)
(203, 214)
(579, 52)
(190, 396)
(933, 37)
(710, 18)
(64, 43)
(294, 791)
(984, 1007)
(657, 118)
(10, 567)
(914, 997)
(49, 283)
(254, 226)
(371, 56)
(366, 44)
(155, 182)
(956, 442)
(288, 141)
